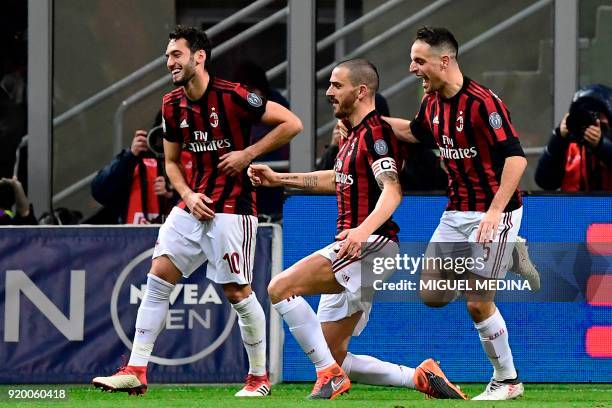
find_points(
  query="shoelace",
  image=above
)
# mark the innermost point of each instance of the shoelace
(251, 381)
(124, 363)
(320, 381)
(493, 385)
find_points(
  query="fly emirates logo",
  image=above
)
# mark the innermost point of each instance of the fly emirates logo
(201, 143)
(448, 150)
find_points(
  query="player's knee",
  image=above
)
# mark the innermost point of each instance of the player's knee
(163, 268)
(480, 311)
(433, 298)
(236, 293)
(278, 289)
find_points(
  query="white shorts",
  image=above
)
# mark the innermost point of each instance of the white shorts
(348, 273)
(227, 242)
(461, 227)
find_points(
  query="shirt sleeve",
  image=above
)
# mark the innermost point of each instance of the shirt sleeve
(169, 127)
(252, 105)
(382, 150)
(420, 129)
(495, 118)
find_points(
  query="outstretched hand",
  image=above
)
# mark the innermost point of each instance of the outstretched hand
(263, 175)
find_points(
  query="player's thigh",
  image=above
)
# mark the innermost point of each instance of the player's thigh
(229, 244)
(492, 259)
(309, 276)
(178, 242)
(437, 273)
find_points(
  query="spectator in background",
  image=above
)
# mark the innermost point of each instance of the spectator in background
(420, 160)
(269, 200)
(579, 154)
(13, 102)
(133, 187)
(12, 194)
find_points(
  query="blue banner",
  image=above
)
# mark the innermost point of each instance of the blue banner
(551, 342)
(70, 301)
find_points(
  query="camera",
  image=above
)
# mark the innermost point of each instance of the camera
(155, 141)
(587, 104)
(578, 120)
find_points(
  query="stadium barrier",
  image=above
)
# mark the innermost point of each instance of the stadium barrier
(71, 296)
(552, 341)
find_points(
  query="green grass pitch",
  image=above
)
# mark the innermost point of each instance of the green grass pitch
(289, 395)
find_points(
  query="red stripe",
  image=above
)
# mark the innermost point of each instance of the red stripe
(501, 245)
(599, 239)
(599, 341)
(599, 290)
(253, 243)
(244, 238)
(248, 247)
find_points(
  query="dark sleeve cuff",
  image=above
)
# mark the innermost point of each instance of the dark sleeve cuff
(511, 148)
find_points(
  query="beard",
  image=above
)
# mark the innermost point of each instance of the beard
(346, 107)
(188, 73)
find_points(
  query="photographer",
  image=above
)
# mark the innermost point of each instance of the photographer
(579, 154)
(133, 187)
(12, 194)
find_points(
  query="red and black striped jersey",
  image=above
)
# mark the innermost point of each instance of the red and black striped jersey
(370, 148)
(218, 123)
(474, 133)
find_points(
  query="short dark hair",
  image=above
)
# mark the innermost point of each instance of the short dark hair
(252, 75)
(362, 71)
(438, 37)
(196, 40)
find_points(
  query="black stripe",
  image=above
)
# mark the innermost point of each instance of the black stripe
(244, 201)
(354, 188)
(501, 245)
(374, 190)
(478, 162)
(452, 126)
(377, 245)
(342, 205)
(197, 176)
(455, 197)
(227, 133)
(338, 261)
(244, 238)
(250, 246)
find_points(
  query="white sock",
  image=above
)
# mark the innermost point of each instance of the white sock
(370, 370)
(494, 339)
(150, 320)
(305, 327)
(252, 322)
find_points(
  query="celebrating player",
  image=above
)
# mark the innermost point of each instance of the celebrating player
(210, 118)
(485, 161)
(367, 189)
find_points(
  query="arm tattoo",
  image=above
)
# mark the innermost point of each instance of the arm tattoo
(387, 176)
(288, 177)
(311, 181)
